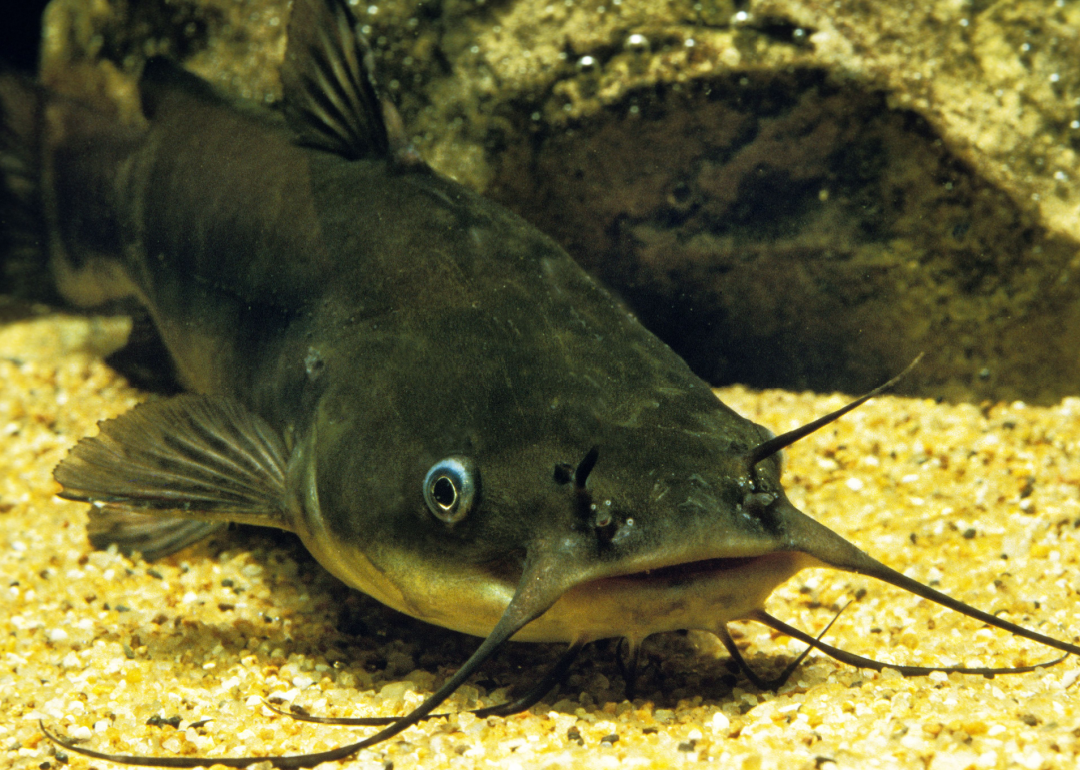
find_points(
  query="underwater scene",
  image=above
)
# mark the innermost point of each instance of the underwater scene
(399, 360)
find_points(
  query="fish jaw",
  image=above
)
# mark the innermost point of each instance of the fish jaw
(701, 585)
(703, 595)
(682, 547)
(699, 593)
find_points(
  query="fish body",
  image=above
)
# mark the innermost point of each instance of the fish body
(453, 417)
(376, 318)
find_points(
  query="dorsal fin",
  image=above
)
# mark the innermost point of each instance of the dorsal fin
(331, 99)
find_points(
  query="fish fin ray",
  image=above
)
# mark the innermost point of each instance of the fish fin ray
(331, 98)
(153, 536)
(191, 456)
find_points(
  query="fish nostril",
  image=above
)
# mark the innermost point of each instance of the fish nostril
(623, 531)
(609, 530)
(758, 501)
(603, 523)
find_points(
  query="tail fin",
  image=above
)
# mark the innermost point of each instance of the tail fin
(23, 264)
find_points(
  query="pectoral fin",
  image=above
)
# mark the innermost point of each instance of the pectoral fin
(170, 472)
(152, 535)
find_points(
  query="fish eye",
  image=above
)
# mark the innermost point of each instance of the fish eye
(451, 488)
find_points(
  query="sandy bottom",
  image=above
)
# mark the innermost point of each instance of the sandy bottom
(982, 502)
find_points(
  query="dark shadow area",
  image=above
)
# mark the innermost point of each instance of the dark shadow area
(20, 34)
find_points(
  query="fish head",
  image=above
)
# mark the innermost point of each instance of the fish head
(646, 530)
(528, 428)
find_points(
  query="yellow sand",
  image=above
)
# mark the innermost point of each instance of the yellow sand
(96, 644)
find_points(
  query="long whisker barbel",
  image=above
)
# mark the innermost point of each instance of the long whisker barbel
(525, 701)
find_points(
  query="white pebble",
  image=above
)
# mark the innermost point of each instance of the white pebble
(81, 733)
(719, 722)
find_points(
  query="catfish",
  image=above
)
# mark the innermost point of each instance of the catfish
(452, 416)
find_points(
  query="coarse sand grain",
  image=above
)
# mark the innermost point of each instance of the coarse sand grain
(982, 502)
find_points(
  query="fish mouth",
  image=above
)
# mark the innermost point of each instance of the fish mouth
(690, 570)
(694, 594)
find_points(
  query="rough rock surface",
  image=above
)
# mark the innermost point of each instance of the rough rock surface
(789, 191)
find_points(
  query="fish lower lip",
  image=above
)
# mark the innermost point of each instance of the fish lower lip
(690, 569)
